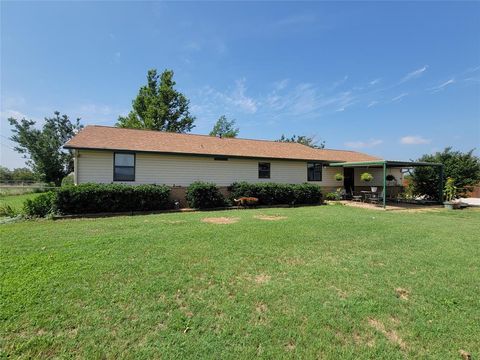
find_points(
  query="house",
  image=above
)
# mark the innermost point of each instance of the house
(105, 154)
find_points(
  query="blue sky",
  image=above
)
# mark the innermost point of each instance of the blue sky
(391, 79)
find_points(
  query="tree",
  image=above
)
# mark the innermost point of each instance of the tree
(5, 174)
(158, 106)
(224, 128)
(304, 140)
(23, 174)
(464, 168)
(43, 148)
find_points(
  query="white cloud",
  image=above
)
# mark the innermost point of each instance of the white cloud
(374, 82)
(399, 97)
(372, 103)
(414, 140)
(414, 74)
(9, 113)
(442, 85)
(193, 46)
(363, 144)
(280, 85)
(239, 98)
(340, 82)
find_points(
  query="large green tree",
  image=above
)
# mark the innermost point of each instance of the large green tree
(158, 106)
(304, 140)
(43, 148)
(225, 128)
(463, 167)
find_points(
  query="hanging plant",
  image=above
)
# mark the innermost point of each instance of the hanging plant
(367, 177)
(339, 177)
(390, 177)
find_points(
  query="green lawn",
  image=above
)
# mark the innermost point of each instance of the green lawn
(325, 282)
(16, 201)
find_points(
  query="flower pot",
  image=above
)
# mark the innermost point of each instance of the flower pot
(373, 188)
(448, 205)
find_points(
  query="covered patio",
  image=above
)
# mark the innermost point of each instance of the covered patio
(384, 165)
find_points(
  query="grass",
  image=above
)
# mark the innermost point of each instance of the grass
(16, 201)
(324, 282)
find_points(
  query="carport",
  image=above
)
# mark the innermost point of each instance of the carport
(385, 164)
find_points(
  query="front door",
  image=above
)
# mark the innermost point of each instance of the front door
(348, 180)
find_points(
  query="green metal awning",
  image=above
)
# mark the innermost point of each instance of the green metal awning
(388, 163)
(393, 164)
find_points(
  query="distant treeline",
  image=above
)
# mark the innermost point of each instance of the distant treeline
(18, 174)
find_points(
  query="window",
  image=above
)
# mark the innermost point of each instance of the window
(123, 167)
(314, 171)
(264, 170)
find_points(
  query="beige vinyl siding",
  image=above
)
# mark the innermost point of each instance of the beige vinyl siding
(377, 176)
(182, 170)
(94, 166)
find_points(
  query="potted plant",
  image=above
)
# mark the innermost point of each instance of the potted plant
(339, 177)
(390, 179)
(367, 177)
(450, 194)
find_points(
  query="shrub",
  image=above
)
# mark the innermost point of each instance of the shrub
(201, 195)
(8, 211)
(450, 190)
(367, 177)
(331, 196)
(41, 206)
(307, 194)
(68, 180)
(275, 194)
(96, 198)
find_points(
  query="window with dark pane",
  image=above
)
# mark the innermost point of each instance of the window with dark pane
(264, 170)
(314, 171)
(124, 167)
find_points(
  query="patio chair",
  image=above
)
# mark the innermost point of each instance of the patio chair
(356, 197)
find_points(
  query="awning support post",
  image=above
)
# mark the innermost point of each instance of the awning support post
(384, 184)
(440, 190)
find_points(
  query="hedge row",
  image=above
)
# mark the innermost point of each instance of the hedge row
(98, 198)
(276, 194)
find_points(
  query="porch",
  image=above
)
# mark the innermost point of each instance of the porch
(385, 192)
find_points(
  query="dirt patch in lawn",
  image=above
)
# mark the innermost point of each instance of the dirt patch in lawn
(290, 346)
(220, 220)
(391, 335)
(173, 221)
(270, 217)
(402, 293)
(262, 279)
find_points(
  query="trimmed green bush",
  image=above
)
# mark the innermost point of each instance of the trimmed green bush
(202, 195)
(41, 206)
(68, 180)
(332, 196)
(307, 193)
(97, 198)
(276, 194)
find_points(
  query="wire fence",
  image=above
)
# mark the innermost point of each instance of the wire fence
(16, 187)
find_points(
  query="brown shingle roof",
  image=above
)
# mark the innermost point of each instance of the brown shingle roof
(112, 138)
